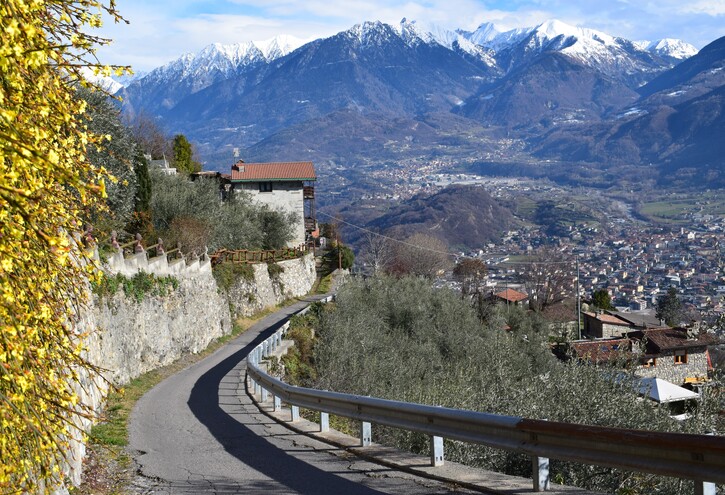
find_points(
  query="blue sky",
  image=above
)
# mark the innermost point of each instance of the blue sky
(162, 30)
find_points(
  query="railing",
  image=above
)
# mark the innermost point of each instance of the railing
(244, 256)
(697, 457)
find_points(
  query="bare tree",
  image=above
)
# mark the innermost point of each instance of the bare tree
(377, 253)
(471, 273)
(421, 254)
(149, 135)
(548, 278)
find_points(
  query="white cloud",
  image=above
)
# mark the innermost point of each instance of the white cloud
(708, 7)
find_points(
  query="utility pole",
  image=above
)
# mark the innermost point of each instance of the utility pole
(339, 252)
(578, 301)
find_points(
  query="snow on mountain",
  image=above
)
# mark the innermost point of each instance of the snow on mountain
(668, 48)
(483, 35)
(279, 46)
(414, 31)
(104, 82)
(218, 61)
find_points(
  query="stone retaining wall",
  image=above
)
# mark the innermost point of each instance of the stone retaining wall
(296, 279)
(127, 338)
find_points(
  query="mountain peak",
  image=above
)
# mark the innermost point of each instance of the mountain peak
(279, 46)
(484, 33)
(673, 48)
(554, 28)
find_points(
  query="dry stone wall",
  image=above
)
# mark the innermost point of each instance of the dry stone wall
(127, 338)
(293, 278)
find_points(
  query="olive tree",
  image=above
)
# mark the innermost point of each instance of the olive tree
(401, 339)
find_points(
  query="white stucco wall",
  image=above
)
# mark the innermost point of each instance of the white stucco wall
(285, 196)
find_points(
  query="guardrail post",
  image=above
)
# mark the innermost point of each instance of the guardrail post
(540, 473)
(436, 451)
(264, 394)
(324, 421)
(295, 410)
(277, 403)
(705, 487)
(366, 434)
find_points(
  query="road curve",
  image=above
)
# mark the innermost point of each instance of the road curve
(197, 432)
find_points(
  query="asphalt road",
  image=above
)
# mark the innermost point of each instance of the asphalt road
(197, 432)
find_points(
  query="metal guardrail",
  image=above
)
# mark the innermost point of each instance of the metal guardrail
(697, 457)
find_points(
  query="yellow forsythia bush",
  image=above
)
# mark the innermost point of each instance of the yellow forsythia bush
(46, 187)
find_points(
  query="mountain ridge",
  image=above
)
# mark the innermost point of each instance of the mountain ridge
(555, 92)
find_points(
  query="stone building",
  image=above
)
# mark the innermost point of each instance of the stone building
(674, 354)
(283, 186)
(613, 324)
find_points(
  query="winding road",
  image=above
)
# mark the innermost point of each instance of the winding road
(198, 432)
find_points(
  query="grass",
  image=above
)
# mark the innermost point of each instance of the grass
(675, 207)
(323, 285)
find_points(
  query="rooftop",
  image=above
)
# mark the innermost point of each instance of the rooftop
(273, 171)
(511, 295)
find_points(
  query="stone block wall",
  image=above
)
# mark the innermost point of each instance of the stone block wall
(296, 279)
(666, 369)
(126, 339)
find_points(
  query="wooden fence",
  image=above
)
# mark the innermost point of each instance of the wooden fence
(244, 256)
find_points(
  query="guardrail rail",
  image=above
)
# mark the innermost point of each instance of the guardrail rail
(696, 457)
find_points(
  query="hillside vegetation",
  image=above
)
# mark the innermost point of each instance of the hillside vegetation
(400, 339)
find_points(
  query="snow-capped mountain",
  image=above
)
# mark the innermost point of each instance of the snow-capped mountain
(622, 59)
(668, 48)
(529, 79)
(165, 86)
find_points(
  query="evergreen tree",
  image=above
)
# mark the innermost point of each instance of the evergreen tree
(115, 153)
(601, 299)
(143, 179)
(184, 155)
(669, 308)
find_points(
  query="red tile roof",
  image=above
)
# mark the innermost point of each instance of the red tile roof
(254, 172)
(512, 295)
(601, 351)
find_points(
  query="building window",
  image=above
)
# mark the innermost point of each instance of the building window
(650, 363)
(680, 357)
(265, 187)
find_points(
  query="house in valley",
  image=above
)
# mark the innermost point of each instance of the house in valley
(606, 324)
(677, 355)
(283, 186)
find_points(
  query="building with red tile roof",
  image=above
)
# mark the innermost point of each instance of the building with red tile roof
(511, 296)
(283, 186)
(273, 171)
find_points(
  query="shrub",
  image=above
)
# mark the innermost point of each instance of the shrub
(227, 274)
(274, 270)
(136, 287)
